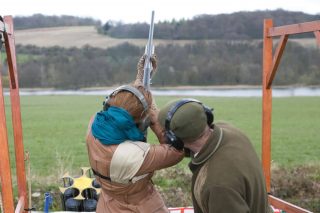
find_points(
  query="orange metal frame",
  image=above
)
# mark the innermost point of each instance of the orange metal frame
(270, 65)
(6, 28)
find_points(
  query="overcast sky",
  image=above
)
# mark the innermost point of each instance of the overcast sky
(131, 11)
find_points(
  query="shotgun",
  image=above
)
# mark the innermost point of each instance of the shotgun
(149, 50)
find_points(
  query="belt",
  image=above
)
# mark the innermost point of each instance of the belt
(100, 175)
(132, 180)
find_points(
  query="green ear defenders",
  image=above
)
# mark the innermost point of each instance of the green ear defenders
(171, 137)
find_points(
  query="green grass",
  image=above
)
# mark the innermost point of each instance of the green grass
(54, 128)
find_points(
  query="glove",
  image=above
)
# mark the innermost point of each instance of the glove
(140, 66)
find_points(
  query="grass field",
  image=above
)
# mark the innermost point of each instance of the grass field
(54, 129)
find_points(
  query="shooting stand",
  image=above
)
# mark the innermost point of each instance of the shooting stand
(270, 65)
(6, 29)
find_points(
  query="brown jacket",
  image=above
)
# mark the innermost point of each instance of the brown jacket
(140, 196)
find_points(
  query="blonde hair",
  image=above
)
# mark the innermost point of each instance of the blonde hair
(128, 101)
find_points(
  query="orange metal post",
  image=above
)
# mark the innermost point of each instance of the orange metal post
(16, 112)
(276, 60)
(270, 66)
(5, 171)
(266, 103)
(317, 35)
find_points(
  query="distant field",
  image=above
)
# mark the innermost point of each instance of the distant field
(87, 35)
(55, 127)
(77, 37)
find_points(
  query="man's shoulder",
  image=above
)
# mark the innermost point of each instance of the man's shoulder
(231, 130)
(226, 125)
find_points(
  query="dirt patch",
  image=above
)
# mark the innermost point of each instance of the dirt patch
(299, 185)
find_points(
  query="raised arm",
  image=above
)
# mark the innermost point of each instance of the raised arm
(140, 70)
(156, 127)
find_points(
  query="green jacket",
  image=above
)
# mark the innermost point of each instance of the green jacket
(230, 179)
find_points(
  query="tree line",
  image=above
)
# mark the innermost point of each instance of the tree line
(239, 25)
(40, 21)
(200, 63)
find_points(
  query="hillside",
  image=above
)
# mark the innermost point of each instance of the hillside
(237, 26)
(79, 36)
(52, 62)
(70, 31)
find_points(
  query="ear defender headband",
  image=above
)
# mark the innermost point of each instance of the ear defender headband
(143, 124)
(171, 137)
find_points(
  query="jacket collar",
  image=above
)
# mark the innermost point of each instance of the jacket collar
(210, 146)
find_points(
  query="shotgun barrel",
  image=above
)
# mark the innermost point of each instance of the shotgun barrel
(149, 50)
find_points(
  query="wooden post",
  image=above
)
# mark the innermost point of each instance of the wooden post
(5, 171)
(266, 103)
(16, 111)
(270, 65)
(294, 28)
(317, 35)
(276, 60)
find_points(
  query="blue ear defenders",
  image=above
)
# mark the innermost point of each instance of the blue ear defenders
(143, 124)
(171, 137)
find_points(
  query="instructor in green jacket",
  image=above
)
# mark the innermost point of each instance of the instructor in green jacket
(227, 174)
